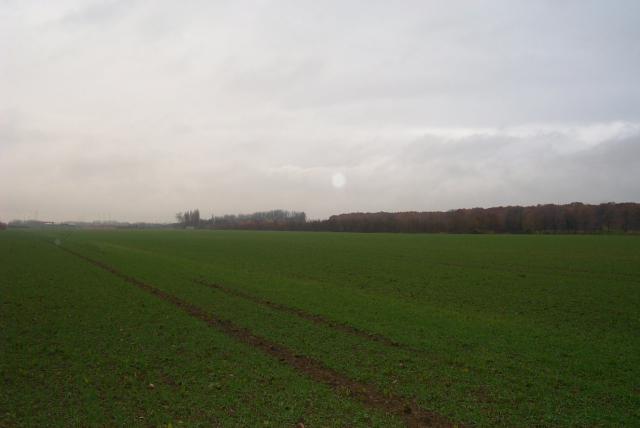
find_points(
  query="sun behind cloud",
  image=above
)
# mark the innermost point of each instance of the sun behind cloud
(338, 180)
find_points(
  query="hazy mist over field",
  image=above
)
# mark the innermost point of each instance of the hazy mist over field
(134, 110)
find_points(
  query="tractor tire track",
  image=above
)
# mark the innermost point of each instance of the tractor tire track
(369, 395)
(314, 318)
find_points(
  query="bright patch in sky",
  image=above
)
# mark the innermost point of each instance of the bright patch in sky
(338, 180)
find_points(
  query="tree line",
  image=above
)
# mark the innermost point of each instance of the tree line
(262, 220)
(575, 217)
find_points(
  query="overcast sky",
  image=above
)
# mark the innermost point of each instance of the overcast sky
(134, 110)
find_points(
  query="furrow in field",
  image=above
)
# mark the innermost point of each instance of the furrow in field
(315, 318)
(369, 395)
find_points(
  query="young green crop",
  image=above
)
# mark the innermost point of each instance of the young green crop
(494, 330)
(82, 348)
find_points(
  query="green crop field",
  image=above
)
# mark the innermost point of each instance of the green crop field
(231, 328)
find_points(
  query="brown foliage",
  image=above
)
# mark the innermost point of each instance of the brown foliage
(570, 218)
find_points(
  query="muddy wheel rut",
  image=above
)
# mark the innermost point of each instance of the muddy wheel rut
(314, 318)
(369, 395)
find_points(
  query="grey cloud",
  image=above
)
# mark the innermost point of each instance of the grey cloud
(144, 108)
(97, 13)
